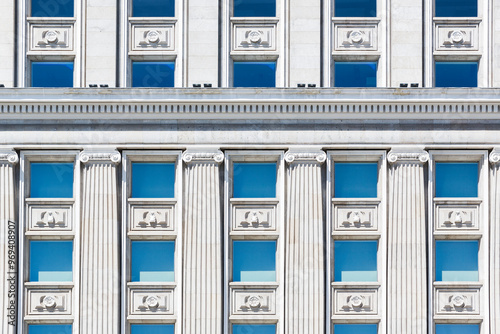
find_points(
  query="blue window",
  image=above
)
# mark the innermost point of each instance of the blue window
(52, 8)
(456, 179)
(355, 261)
(455, 8)
(254, 329)
(456, 74)
(51, 261)
(51, 74)
(153, 8)
(457, 260)
(254, 261)
(254, 8)
(153, 180)
(153, 261)
(354, 180)
(355, 329)
(457, 329)
(355, 74)
(355, 8)
(153, 74)
(254, 180)
(49, 329)
(152, 329)
(51, 180)
(254, 74)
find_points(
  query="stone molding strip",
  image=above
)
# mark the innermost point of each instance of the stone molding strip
(9, 156)
(408, 154)
(89, 156)
(202, 156)
(299, 156)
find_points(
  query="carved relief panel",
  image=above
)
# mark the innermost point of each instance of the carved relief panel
(355, 301)
(152, 217)
(458, 37)
(457, 301)
(254, 36)
(51, 36)
(151, 301)
(152, 37)
(457, 217)
(253, 216)
(362, 36)
(253, 301)
(48, 302)
(355, 217)
(49, 217)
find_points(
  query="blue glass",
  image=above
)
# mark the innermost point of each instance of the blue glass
(52, 8)
(457, 329)
(254, 74)
(49, 329)
(355, 74)
(456, 179)
(51, 74)
(355, 261)
(355, 329)
(153, 8)
(153, 180)
(153, 261)
(153, 74)
(51, 261)
(456, 74)
(254, 329)
(455, 8)
(355, 180)
(254, 8)
(254, 261)
(355, 8)
(457, 260)
(151, 329)
(51, 180)
(254, 180)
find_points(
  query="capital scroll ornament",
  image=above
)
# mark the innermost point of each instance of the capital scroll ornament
(9, 156)
(100, 156)
(193, 156)
(318, 156)
(397, 156)
(495, 156)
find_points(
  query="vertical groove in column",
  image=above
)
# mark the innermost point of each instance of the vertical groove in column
(99, 296)
(406, 283)
(202, 275)
(304, 259)
(494, 295)
(6, 213)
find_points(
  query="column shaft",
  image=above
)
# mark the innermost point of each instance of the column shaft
(495, 249)
(100, 284)
(202, 275)
(304, 259)
(406, 257)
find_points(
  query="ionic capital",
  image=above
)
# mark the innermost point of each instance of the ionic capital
(103, 156)
(203, 155)
(495, 156)
(408, 154)
(305, 156)
(9, 156)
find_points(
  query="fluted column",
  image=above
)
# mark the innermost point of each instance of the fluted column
(202, 230)
(494, 250)
(406, 255)
(8, 243)
(304, 243)
(99, 276)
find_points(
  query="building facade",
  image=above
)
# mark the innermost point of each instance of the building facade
(250, 167)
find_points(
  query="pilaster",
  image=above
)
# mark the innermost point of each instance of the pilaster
(304, 256)
(8, 242)
(100, 282)
(202, 262)
(406, 256)
(494, 250)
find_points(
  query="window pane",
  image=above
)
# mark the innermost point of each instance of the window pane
(254, 180)
(355, 261)
(355, 8)
(354, 180)
(456, 179)
(51, 74)
(355, 329)
(355, 74)
(456, 8)
(51, 180)
(456, 260)
(456, 74)
(254, 329)
(49, 329)
(255, 8)
(254, 261)
(153, 261)
(153, 74)
(153, 8)
(457, 329)
(51, 261)
(153, 180)
(254, 74)
(152, 329)
(52, 8)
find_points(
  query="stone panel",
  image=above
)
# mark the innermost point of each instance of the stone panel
(253, 301)
(459, 37)
(152, 217)
(53, 217)
(253, 216)
(151, 301)
(457, 301)
(51, 36)
(457, 217)
(355, 217)
(355, 301)
(45, 302)
(151, 37)
(254, 36)
(362, 36)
